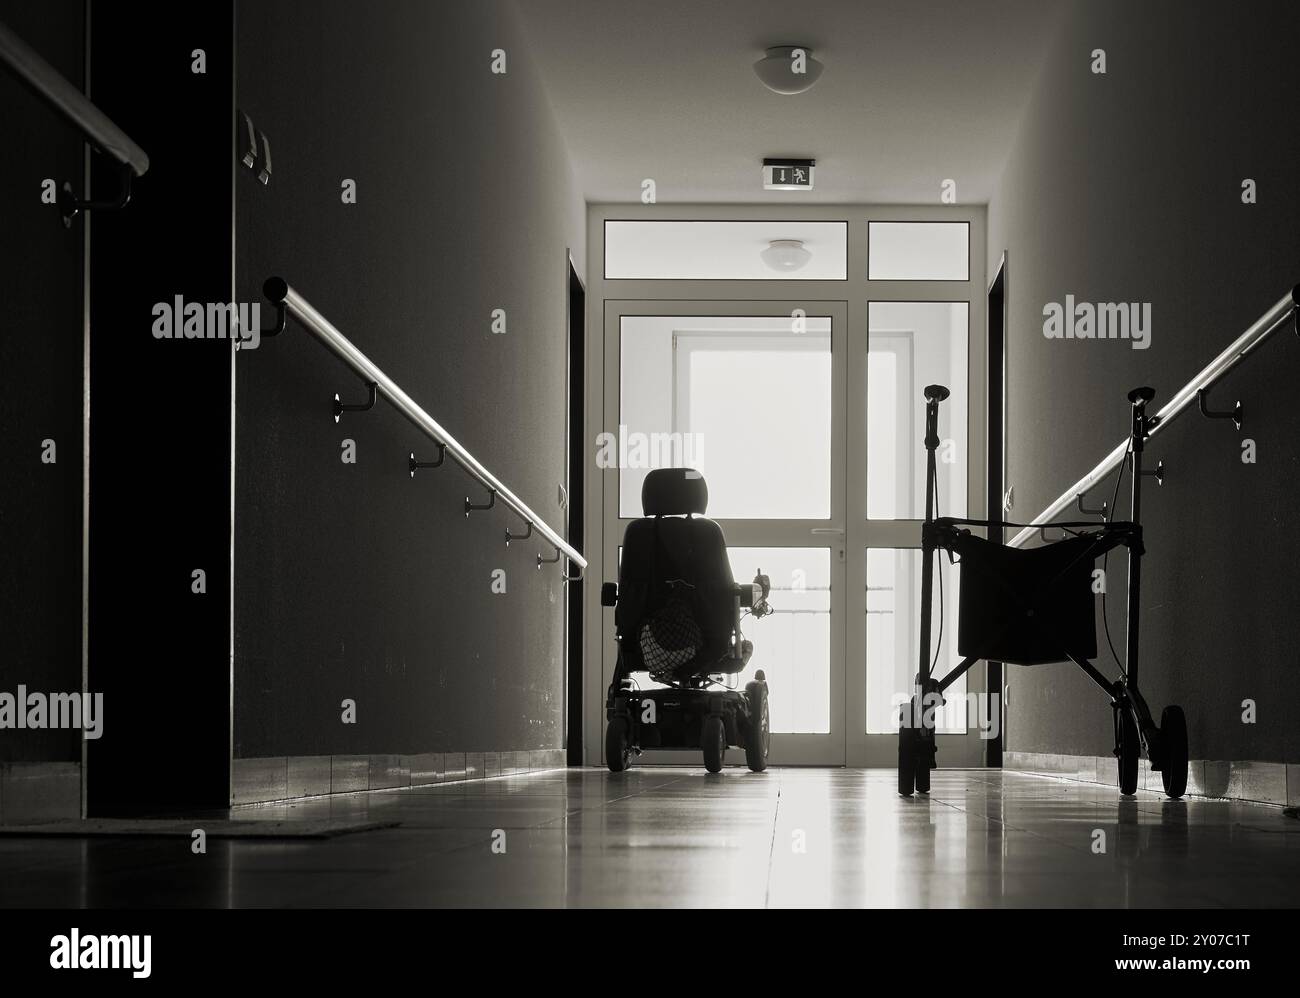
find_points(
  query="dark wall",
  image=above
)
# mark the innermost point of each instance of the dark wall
(355, 581)
(1127, 187)
(41, 344)
(160, 450)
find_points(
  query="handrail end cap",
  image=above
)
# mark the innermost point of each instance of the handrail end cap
(276, 289)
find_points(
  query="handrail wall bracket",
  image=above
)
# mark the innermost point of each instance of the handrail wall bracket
(1092, 511)
(70, 205)
(472, 506)
(340, 407)
(1236, 413)
(413, 465)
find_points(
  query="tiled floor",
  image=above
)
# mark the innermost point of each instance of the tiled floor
(654, 837)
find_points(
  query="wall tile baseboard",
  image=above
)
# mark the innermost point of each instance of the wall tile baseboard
(1243, 780)
(39, 791)
(264, 779)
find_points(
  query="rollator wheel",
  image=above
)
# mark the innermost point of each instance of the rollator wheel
(758, 736)
(713, 739)
(1130, 747)
(906, 760)
(922, 764)
(618, 745)
(1173, 746)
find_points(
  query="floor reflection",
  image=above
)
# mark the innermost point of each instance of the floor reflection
(678, 837)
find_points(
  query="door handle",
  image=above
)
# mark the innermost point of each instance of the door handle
(827, 530)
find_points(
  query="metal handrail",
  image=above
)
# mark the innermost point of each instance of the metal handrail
(56, 90)
(282, 295)
(1261, 329)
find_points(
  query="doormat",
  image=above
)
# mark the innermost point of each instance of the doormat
(216, 828)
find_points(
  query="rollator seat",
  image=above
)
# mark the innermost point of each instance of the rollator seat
(1026, 606)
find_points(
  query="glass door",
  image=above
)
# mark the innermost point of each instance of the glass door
(752, 395)
(909, 344)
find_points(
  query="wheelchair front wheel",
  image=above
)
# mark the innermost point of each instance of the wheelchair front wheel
(618, 745)
(713, 739)
(1173, 748)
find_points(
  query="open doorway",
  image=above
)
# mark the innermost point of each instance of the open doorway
(997, 367)
(575, 389)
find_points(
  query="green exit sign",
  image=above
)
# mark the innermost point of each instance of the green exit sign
(788, 174)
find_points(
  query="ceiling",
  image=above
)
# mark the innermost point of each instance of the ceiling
(913, 93)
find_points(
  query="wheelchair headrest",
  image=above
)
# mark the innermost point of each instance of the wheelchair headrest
(674, 492)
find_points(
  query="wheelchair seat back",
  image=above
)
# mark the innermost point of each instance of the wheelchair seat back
(674, 552)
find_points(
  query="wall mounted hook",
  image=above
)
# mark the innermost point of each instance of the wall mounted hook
(1158, 473)
(412, 464)
(264, 174)
(492, 501)
(250, 149)
(1088, 510)
(340, 407)
(1042, 534)
(519, 537)
(547, 561)
(1236, 413)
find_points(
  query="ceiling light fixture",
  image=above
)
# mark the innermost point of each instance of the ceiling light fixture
(786, 255)
(788, 69)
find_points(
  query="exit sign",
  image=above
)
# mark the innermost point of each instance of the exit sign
(788, 174)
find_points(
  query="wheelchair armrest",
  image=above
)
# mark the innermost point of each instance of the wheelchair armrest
(609, 594)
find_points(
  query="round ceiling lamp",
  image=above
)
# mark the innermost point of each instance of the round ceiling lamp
(786, 255)
(788, 69)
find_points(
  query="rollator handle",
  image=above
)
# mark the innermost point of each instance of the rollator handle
(936, 393)
(1141, 396)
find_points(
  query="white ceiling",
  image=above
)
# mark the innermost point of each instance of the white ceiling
(914, 92)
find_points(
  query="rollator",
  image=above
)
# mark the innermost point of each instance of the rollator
(1035, 606)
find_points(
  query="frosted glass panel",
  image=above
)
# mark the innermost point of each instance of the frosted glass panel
(894, 639)
(745, 400)
(911, 345)
(717, 251)
(918, 251)
(793, 644)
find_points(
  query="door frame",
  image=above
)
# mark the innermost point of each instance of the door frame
(787, 748)
(856, 291)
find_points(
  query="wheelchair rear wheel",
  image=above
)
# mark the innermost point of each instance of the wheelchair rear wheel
(1130, 747)
(1173, 746)
(758, 733)
(713, 739)
(618, 745)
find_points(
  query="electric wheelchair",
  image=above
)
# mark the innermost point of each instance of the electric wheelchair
(677, 618)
